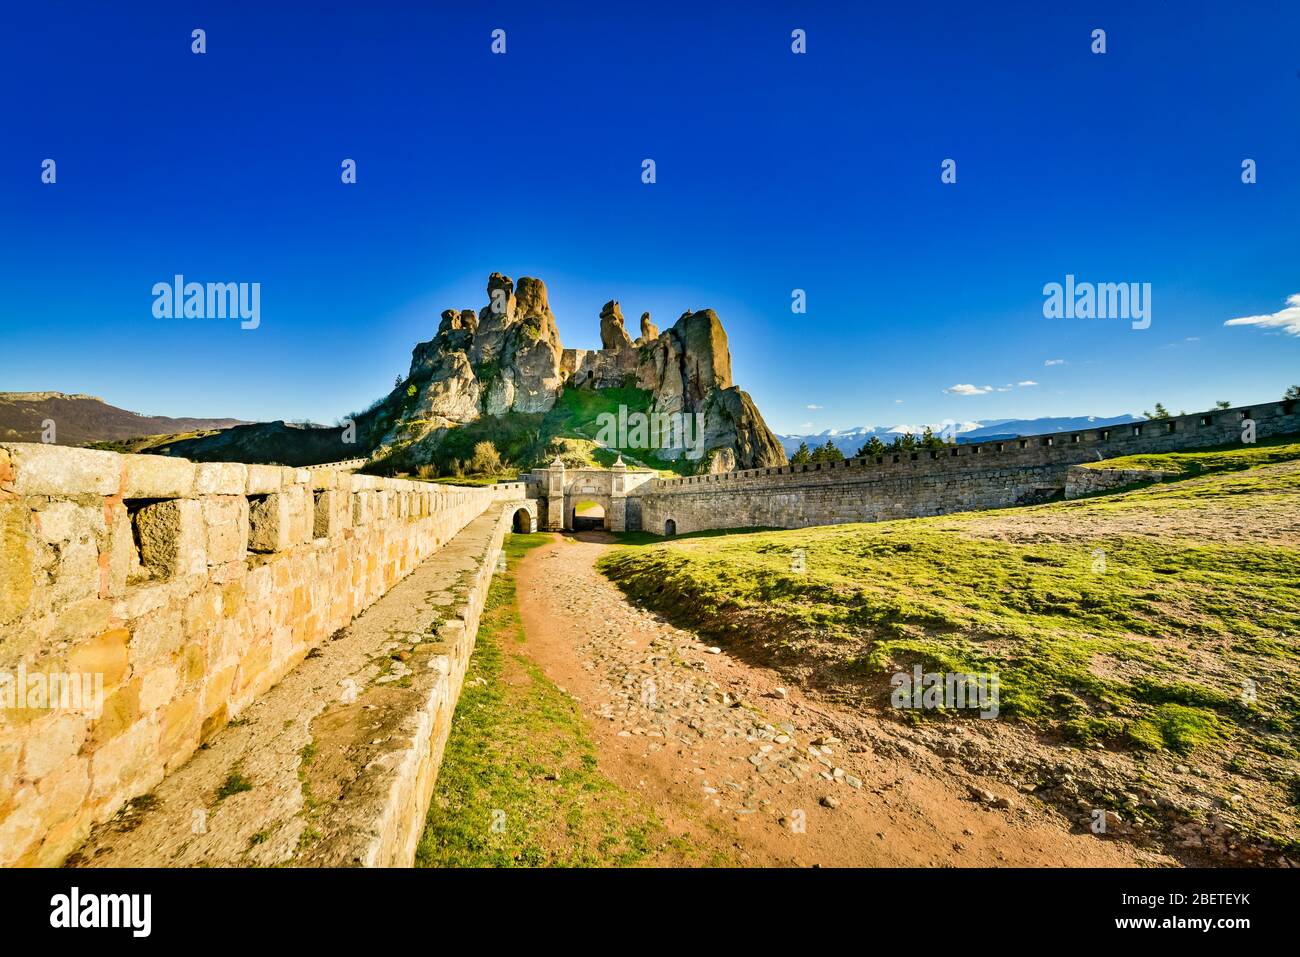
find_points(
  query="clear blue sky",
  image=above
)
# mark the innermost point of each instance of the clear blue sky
(775, 172)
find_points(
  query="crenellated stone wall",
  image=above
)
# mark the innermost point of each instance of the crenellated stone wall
(157, 598)
(933, 482)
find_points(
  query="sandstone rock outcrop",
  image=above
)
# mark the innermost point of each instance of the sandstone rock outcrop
(648, 329)
(508, 358)
(688, 369)
(613, 334)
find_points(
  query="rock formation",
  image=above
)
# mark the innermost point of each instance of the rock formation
(612, 333)
(648, 329)
(508, 358)
(688, 369)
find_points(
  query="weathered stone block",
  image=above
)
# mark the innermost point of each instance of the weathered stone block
(173, 540)
(63, 521)
(264, 479)
(157, 476)
(226, 520)
(221, 478)
(155, 636)
(281, 520)
(57, 470)
(333, 512)
(117, 559)
(54, 740)
(106, 655)
(121, 711)
(158, 687)
(17, 560)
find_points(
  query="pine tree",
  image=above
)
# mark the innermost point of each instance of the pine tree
(827, 453)
(801, 456)
(873, 447)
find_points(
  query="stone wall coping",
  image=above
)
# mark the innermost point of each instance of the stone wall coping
(60, 471)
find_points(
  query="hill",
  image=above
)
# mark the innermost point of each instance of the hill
(79, 419)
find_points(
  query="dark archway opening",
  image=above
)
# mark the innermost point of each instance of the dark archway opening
(670, 527)
(588, 515)
(523, 521)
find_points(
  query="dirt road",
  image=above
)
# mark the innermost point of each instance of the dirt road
(762, 774)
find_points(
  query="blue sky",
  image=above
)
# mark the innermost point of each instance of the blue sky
(775, 172)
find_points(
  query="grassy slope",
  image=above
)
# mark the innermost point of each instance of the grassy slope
(519, 745)
(569, 428)
(1149, 652)
(1225, 458)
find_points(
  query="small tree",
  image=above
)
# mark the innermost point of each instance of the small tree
(801, 456)
(904, 443)
(873, 447)
(1292, 394)
(931, 441)
(486, 459)
(827, 453)
(1160, 413)
(1223, 404)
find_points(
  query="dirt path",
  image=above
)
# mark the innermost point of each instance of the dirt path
(766, 776)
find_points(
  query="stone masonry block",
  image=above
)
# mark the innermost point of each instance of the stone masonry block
(17, 559)
(264, 479)
(157, 476)
(226, 519)
(173, 540)
(281, 520)
(59, 471)
(333, 512)
(119, 555)
(221, 478)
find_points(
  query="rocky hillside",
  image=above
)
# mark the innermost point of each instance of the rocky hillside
(506, 362)
(79, 419)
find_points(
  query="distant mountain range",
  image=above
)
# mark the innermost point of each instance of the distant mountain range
(849, 441)
(86, 418)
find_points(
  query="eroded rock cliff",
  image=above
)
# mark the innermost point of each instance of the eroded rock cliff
(508, 358)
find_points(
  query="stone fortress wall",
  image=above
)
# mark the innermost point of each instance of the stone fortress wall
(978, 475)
(189, 589)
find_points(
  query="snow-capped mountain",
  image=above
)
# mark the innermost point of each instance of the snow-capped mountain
(849, 441)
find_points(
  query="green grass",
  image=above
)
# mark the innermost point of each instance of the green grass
(1224, 458)
(519, 784)
(1149, 653)
(234, 784)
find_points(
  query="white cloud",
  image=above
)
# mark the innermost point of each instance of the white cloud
(1054, 362)
(965, 388)
(1026, 383)
(898, 402)
(1288, 319)
(805, 425)
(812, 408)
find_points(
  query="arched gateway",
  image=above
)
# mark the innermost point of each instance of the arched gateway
(588, 497)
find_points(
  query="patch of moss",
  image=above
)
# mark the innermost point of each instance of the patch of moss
(234, 784)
